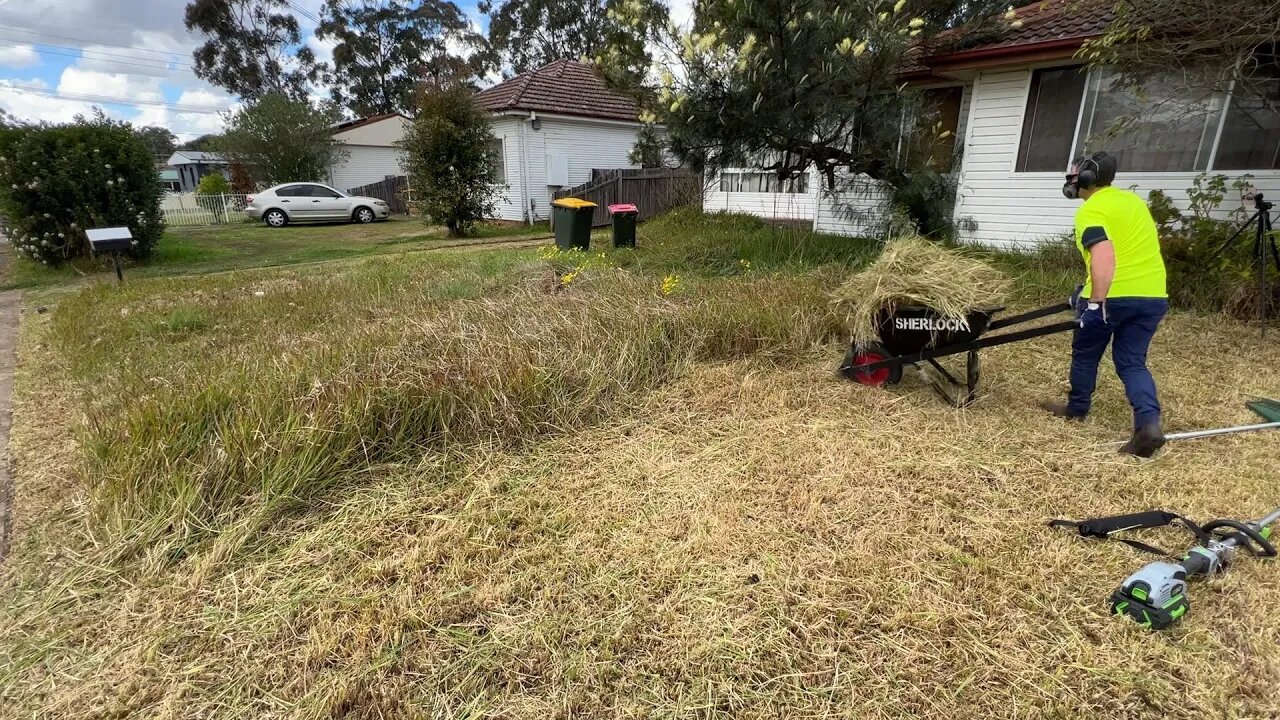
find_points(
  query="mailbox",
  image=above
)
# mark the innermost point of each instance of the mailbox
(114, 240)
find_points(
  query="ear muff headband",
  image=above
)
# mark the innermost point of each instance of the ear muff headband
(1085, 177)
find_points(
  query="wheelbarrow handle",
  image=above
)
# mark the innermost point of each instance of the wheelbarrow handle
(1030, 315)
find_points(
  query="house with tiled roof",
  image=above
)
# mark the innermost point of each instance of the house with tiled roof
(1021, 105)
(553, 126)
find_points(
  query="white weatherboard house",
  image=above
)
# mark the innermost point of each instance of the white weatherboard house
(1022, 106)
(553, 126)
(373, 150)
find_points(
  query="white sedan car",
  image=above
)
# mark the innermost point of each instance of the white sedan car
(312, 202)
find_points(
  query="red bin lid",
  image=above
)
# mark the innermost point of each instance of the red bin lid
(623, 207)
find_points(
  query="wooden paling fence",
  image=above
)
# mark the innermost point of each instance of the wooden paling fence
(652, 190)
(393, 191)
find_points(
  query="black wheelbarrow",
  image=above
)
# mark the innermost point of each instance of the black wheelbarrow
(912, 334)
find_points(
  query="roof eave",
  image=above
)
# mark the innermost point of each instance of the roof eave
(560, 113)
(1058, 48)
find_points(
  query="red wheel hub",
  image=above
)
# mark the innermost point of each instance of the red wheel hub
(875, 377)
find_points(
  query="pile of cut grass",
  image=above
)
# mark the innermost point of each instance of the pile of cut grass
(916, 271)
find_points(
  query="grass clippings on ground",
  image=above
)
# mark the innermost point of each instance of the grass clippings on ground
(749, 538)
(753, 541)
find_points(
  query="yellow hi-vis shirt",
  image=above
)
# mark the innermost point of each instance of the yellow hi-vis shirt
(1128, 225)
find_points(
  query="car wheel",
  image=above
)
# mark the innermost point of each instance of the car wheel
(364, 216)
(276, 218)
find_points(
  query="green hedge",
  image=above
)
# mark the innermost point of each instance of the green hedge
(58, 180)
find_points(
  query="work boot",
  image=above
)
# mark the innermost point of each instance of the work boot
(1145, 442)
(1059, 409)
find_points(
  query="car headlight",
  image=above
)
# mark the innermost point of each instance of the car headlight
(380, 202)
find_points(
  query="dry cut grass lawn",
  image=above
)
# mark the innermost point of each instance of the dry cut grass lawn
(750, 538)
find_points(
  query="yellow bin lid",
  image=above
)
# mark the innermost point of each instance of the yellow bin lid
(573, 203)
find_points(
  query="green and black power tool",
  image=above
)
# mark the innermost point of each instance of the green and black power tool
(1156, 596)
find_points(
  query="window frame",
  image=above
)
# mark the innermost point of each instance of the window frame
(1222, 114)
(502, 159)
(967, 93)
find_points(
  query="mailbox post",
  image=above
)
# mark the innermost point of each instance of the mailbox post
(114, 240)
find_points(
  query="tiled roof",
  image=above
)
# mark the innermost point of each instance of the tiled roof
(1047, 22)
(564, 87)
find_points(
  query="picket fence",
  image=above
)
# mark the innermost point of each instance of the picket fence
(189, 209)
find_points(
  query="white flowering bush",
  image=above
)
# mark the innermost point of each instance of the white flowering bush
(58, 180)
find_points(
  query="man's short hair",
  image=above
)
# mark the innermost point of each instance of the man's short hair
(1102, 165)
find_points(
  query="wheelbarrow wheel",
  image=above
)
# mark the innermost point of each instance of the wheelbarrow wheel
(865, 355)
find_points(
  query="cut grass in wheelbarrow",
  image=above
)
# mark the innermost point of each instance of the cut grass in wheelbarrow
(921, 301)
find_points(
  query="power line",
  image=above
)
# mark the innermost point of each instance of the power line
(79, 97)
(140, 63)
(87, 42)
(95, 53)
(306, 14)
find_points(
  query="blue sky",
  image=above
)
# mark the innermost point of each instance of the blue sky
(135, 49)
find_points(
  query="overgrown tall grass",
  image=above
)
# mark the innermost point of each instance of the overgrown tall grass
(716, 243)
(207, 404)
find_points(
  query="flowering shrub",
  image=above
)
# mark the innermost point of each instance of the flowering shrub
(58, 180)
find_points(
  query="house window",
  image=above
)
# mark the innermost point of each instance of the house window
(1251, 133)
(934, 138)
(497, 162)
(1165, 130)
(1049, 123)
(762, 182)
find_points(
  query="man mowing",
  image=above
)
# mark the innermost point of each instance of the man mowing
(1122, 301)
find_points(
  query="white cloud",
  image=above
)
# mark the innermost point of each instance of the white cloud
(78, 81)
(37, 107)
(19, 56)
(322, 48)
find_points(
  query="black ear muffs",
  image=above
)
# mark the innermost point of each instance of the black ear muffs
(1087, 176)
(1094, 171)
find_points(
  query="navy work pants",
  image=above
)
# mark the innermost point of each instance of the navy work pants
(1131, 323)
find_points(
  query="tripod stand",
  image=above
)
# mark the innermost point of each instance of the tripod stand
(1262, 239)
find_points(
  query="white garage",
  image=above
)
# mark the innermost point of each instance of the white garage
(374, 151)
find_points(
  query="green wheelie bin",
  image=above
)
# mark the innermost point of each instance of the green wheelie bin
(572, 218)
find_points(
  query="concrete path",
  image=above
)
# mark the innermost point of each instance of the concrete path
(10, 303)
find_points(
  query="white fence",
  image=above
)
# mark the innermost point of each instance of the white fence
(192, 209)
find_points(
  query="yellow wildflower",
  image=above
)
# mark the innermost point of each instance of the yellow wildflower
(897, 8)
(670, 283)
(916, 23)
(859, 48)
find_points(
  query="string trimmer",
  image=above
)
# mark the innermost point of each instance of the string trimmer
(1156, 596)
